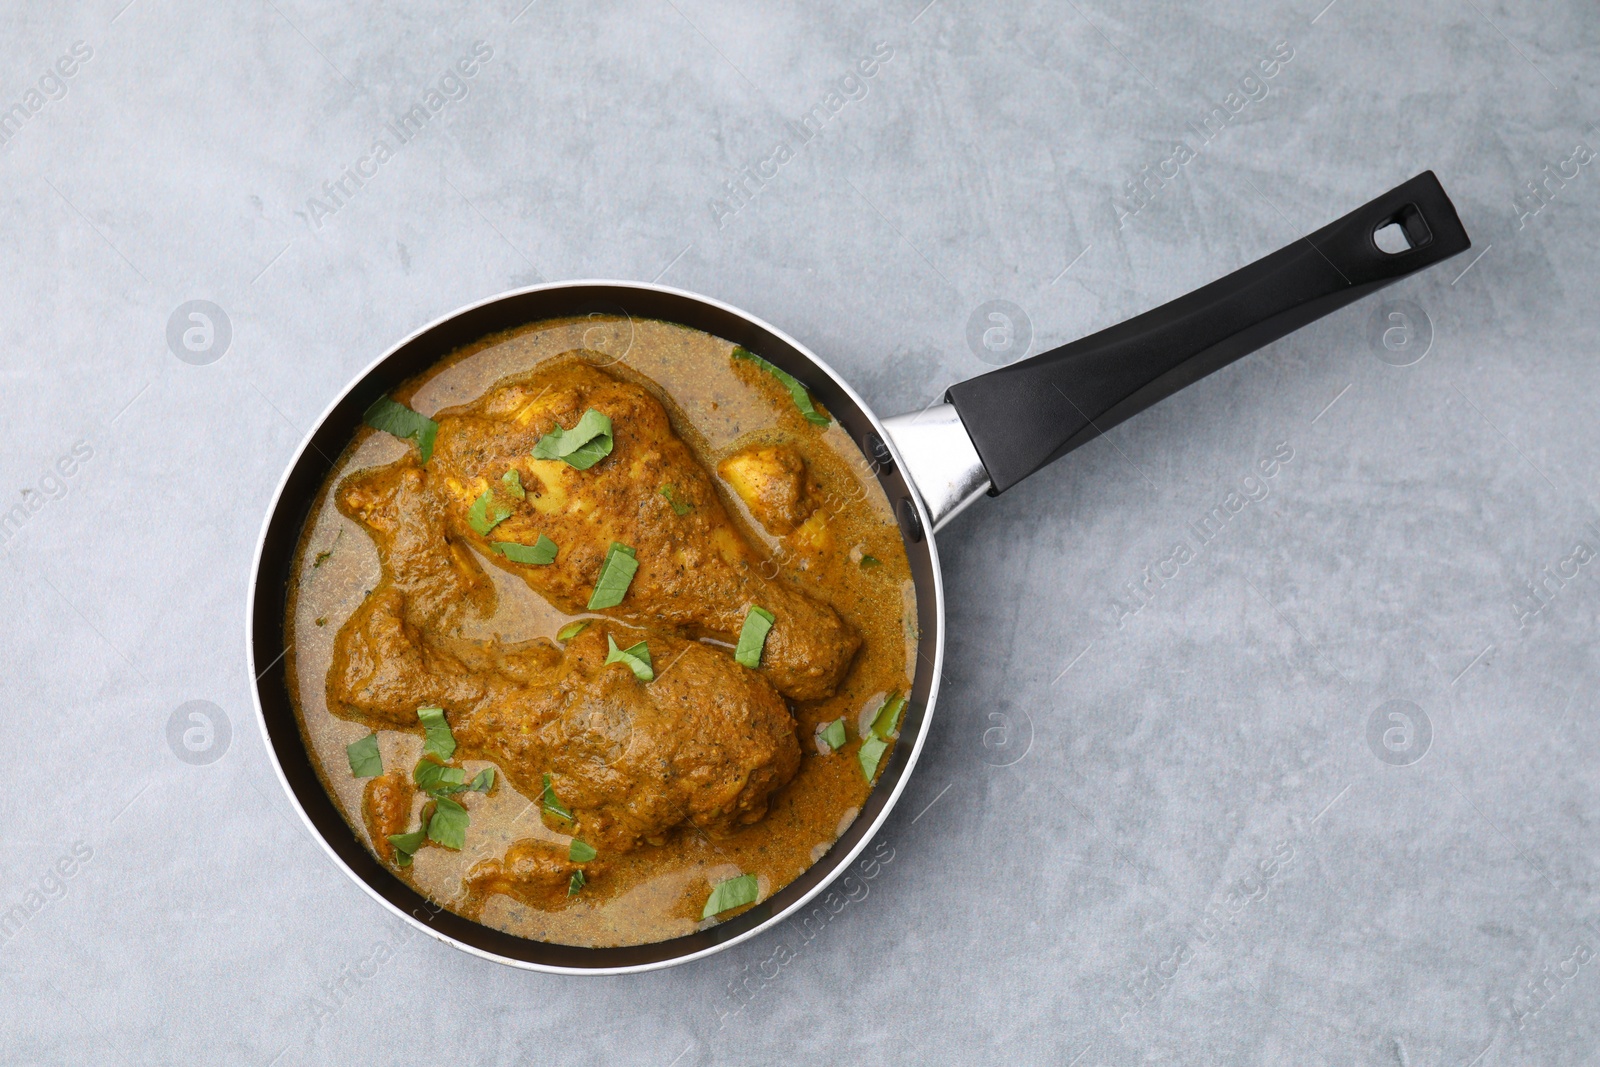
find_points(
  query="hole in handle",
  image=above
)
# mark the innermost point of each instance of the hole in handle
(1391, 238)
(1401, 232)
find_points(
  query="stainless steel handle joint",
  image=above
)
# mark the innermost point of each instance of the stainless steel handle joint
(940, 460)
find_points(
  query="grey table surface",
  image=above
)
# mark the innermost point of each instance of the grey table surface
(1325, 792)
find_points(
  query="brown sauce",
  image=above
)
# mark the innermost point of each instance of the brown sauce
(789, 519)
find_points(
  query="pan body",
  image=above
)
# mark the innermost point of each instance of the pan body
(296, 492)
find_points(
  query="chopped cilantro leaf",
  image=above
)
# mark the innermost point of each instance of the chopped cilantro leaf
(678, 506)
(621, 563)
(437, 738)
(753, 636)
(871, 752)
(552, 803)
(572, 629)
(637, 657)
(365, 761)
(487, 512)
(448, 827)
(406, 845)
(883, 723)
(436, 779)
(833, 734)
(397, 419)
(538, 554)
(734, 893)
(800, 394)
(582, 446)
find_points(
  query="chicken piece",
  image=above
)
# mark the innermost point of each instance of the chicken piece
(532, 872)
(774, 483)
(386, 806)
(383, 668)
(697, 574)
(408, 525)
(705, 743)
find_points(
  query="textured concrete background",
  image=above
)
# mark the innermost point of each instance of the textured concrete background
(1189, 826)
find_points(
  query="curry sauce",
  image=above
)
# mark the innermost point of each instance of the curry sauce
(672, 776)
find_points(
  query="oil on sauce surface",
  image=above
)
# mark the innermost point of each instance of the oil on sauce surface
(852, 558)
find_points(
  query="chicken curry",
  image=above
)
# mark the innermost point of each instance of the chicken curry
(600, 632)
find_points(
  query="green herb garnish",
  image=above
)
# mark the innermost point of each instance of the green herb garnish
(871, 752)
(577, 882)
(637, 658)
(753, 636)
(483, 781)
(539, 553)
(448, 827)
(511, 482)
(678, 506)
(868, 562)
(487, 512)
(615, 574)
(801, 395)
(365, 762)
(883, 723)
(734, 893)
(437, 738)
(572, 629)
(406, 845)
(436, 779)
(322, 557)
(552, 803)
(582, 446)
(833, 734)
(580, 852)
(397, 419)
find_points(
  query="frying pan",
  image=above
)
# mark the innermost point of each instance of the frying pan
(991, 432)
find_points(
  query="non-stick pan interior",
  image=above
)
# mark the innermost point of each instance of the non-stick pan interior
(329, 439)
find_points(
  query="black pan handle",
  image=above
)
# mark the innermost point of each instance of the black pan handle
(1023, 416)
